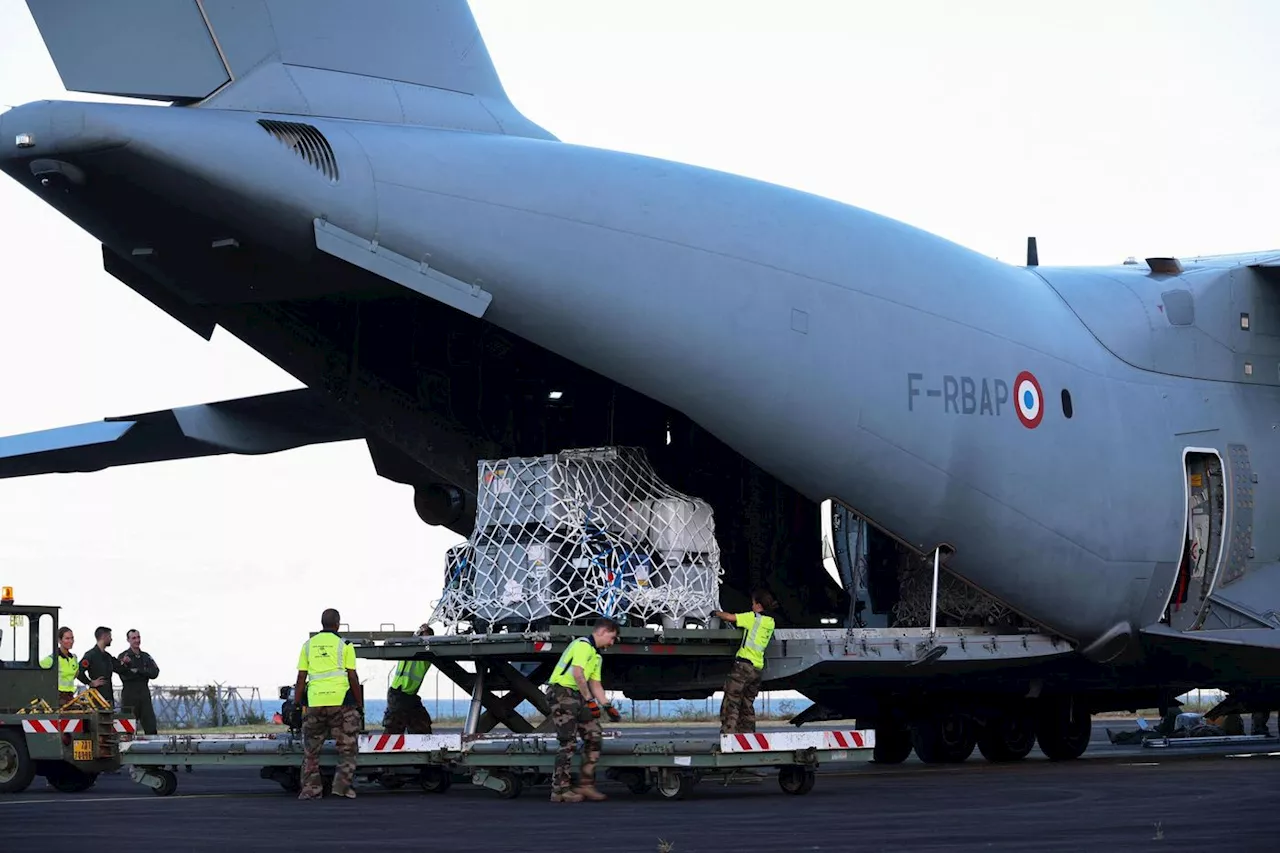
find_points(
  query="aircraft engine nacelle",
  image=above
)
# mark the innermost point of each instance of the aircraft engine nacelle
(439, 504)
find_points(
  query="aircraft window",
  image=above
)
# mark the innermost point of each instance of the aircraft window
(1066, 402)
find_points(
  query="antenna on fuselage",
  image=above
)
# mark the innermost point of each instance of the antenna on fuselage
(1033, 254)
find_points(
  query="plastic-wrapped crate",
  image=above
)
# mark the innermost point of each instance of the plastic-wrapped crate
(615, 541)
(572, 489)
(457, 603)
(515, 581)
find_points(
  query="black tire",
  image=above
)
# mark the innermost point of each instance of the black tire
(69, 779)
(947, 739)
(391, 783)
(674, 786)
(635, 781)
(435, 780)
(1006, 739)
(512, 784)
(1063, 735)
(168, 782)
(893, 745)
(796, 780)
(16, 767)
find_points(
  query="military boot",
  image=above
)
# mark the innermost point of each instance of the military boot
(566, 797)
(589, 792)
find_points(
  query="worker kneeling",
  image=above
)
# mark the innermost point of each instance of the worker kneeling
(577, 697)
(738, 710)
(405, 712)
(334, 706)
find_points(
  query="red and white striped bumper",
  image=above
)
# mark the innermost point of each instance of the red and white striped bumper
(53, 727)
(788, 741)
(408, 743)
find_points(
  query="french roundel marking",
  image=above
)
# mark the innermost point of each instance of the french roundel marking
(1028, 400)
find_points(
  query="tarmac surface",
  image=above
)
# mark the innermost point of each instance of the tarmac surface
(1114, 798)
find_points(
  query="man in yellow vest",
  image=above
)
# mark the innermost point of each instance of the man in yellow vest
(737, 710)
(405, 711)
(68, 666)
(577, 696)
(333, 704)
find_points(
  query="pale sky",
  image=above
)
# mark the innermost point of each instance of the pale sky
(1106, 129)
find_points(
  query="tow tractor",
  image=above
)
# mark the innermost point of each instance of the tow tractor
(68, 745)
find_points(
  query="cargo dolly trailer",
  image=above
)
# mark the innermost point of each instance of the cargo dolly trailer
(507, 764)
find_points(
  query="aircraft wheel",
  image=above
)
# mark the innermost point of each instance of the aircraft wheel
(945, 739)
(893, 745)
(1007, 738)
(796, 780)
(1063, 732)
(16, 767)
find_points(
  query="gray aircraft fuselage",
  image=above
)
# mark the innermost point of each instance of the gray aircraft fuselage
(849, 355)
(350, 191)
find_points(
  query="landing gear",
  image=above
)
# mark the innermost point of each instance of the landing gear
(946, 738)
(893, 744)
(1007, 737)
(1063, 729)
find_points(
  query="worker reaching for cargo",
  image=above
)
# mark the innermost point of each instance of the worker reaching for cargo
(333, 704)
(68, 666)
(737, 710)
(577, 698)
(405, 712)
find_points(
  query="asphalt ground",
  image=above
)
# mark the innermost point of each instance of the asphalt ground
(1114, 798)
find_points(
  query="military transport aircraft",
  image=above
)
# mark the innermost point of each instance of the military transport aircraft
(348, 189)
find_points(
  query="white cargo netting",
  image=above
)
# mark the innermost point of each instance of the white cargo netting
(566, 537)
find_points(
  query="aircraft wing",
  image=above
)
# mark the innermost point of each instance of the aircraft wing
(251, 425)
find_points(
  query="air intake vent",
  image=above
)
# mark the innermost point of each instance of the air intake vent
(307, 142)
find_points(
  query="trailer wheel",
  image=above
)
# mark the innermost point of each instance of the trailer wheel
(797, 780)
(435, 780)
(673, 785)
(635, 781)
(168, 782)
(511, 783)
(16, 767)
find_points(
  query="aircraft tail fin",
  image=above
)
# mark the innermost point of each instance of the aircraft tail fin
(420, 62)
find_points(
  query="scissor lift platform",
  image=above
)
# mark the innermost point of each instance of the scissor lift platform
(507, 764)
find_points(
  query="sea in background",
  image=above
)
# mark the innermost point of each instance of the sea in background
(675, 710)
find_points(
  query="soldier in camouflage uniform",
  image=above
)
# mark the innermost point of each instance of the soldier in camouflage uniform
(405, 712)
(576, 699)
(334, 705)
(737, 710)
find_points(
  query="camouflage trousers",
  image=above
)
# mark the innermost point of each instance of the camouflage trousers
(64, 698)
(566, 705)
(343, 725)
(405, 715)
(738, 710)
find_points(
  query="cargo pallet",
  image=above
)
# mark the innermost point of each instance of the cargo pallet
(507, 764)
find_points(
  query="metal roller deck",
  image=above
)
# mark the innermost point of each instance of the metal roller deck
(507, 764)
